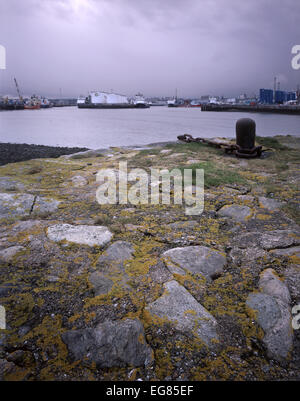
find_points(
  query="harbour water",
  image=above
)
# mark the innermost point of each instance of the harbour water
(70, 126)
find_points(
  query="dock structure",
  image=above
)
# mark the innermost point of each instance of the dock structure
(259, 108)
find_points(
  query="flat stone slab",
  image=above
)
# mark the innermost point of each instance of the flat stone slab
(8, 184)
(270, 284)
(118, 252)
(195, 259)
(273, 314)
(100, 283)
(110, 344)
(110, 268)
(6, 255)
(12, 205)
(292, 279)
(267, 240)
(44, 205)
(82, 234)
(293, 251)
(183, 225)
(79, 181)
(279, 239)
(177, 155)
(270, 204)
(181, 308)
(236, 212)
(83, 155)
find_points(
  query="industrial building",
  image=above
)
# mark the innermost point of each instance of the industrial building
(266, 96)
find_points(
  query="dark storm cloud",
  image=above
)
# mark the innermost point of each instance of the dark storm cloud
(199, 46)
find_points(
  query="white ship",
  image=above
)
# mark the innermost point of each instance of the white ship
(172, 103)
(140, 102)
(106, 100)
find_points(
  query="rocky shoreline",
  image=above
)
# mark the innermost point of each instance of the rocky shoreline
(15, 152)
(127, 292)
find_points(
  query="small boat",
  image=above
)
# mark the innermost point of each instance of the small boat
(195, 103)
(32, 106)
(172, 103)
(34, 103)
(45, 104)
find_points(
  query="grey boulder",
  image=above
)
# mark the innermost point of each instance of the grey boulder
(236, 212)
(195, 259)
(272, 308)
(111, 265)
(6, 255)
(44, 205)
(82, 234)
(110, 344)
(117, 253)
(178, 306)
(267, 240)
(12, 205)
(270, 204)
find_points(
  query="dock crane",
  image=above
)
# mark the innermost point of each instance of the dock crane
(18, 90)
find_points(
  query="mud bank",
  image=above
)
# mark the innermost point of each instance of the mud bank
(13, 152)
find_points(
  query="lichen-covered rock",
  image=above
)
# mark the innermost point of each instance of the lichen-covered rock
(45, 205)
(8, 184)
(181, 308)
(6, 255)
(292, 279)
(279, 239)
(111, 265)
(116, 253)
(110, 344)
(236, 212)
(6, 368)
(272, 307)
(270, 204)
(268, 239)
(82, 234)
(183, 225)
(12, 205)
(249, 254)
(270, 284)
(100, 283)
(79, 181)
(195, 259)
(84, 155)
(293, 251)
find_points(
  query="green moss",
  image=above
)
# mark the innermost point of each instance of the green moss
(271, 142)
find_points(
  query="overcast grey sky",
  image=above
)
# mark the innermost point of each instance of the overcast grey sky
(222, 47)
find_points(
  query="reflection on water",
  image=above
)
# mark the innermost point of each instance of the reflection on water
(69, 126)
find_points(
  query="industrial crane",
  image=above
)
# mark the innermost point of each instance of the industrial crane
(18, 90)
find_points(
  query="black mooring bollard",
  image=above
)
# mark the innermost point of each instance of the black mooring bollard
(245, 139)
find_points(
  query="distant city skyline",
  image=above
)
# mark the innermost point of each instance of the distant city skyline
(66, 48)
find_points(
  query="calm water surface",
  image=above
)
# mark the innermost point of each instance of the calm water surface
(70, 126)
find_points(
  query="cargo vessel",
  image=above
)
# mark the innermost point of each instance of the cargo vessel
(106, 100)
